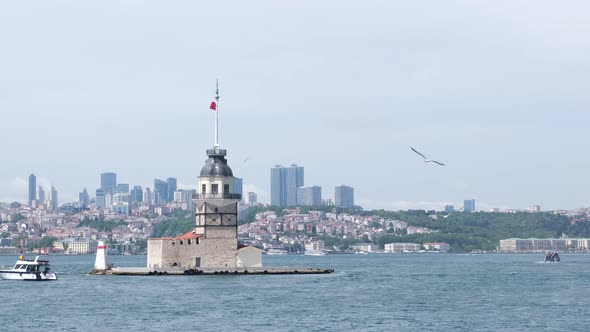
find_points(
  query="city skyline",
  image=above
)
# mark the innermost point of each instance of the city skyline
(496, 92)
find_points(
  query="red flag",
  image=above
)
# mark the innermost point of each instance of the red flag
(213, 106)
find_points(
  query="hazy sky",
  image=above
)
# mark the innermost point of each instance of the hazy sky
(498, 90)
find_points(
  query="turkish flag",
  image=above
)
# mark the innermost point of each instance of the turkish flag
(213, 106)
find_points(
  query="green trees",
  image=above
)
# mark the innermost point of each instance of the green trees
(174, 227)
(101, 225)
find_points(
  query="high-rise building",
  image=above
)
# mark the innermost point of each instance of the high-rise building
(469, 205)
(100, 198)
(32, 189)
(160, 191)
(122, 188)
(238, 186)
(53, 198)
(344, 196)
(148, 196)
(449, 208)
(41, 195)
(309, 196)
(284, 182)
(108, 182)
(252, 198)
(171, 189)
(84, 198)
(136, 195)
(185, 198)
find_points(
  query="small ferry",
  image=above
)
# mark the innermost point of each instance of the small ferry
(276, 252)
(31, 270)
(314, 253)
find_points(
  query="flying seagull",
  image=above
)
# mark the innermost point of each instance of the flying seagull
(426, 160)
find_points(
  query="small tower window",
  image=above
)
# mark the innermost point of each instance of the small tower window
(215, 188)
(203, 188)
(226, 188)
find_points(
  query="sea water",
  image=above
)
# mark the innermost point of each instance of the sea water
(380, 292)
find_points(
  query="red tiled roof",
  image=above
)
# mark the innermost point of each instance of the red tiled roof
(189, 235)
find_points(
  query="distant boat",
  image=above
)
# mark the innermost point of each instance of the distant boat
(314, 253)
(276, 252)
(30, 270)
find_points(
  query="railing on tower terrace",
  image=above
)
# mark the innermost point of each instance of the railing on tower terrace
(216, 152)
(218, 196)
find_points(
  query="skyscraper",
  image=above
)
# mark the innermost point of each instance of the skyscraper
(238, 186)
(41, 195)
(53, 198)
(284, 182)
(148, 196)
(32, 188)
(83, 198)
(469, 205)
(100, 198)
(344, 196)
(171, 189)
(108, 182)
(309, 196)
(122, 188)
(160, 191)
(252, 198)
(136, 195)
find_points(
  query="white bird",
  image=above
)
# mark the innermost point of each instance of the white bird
(246, 159)
(426, 160)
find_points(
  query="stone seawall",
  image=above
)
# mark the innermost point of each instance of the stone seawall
(139, 271)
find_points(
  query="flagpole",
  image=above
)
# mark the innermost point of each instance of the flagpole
(217, 114)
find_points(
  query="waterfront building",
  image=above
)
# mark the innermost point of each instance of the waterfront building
(438, 246)
(344, 196)
(401, 247)
(41, 195)
(365, 247)
(252, 198)
(83, 247)
(315, 245)
(309, 196)
(100, 198)
(32, 189)
(172, 184)
(469, 205)
(543, 245)
(284, 182)
(108, 182)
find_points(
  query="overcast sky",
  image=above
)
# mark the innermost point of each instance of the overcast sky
(497, 90)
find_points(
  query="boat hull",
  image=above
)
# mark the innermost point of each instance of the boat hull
(27, 276)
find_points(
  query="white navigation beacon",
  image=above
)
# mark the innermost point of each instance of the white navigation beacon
(101, 262)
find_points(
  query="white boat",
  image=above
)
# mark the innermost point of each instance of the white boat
(276, 252)
(314, 253)
(31, 270)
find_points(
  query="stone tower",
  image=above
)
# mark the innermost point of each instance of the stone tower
(217, 211)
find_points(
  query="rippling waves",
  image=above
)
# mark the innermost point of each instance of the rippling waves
(366, 293)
